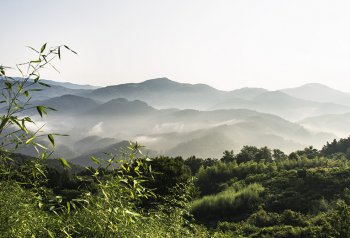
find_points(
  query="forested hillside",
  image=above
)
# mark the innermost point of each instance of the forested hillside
(255, 193)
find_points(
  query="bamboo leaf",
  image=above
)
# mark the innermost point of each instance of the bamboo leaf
(52, 140)
(70, 49)
(96, 161)
(64, 163)
(43, 48)
(33, 49)
(30, 139)
(68, 207)
(44, 84)
(3, 123)
(41, 110)
(59, 52)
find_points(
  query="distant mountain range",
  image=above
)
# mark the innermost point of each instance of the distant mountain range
(70, 85)
(192, 119)
(181, 132)
(291, 104)
(319, 93)
(56, 89)
(161, 93)
(335, 123)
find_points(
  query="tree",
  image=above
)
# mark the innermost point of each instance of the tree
(167, 172)
(228, 156)
(310, 152)
(194, 164)
(264, 153)
(279, 155)
(247, 153)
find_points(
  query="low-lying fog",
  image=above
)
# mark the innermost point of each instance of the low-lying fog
(99, 120)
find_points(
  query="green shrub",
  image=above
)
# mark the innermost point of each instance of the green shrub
(227, 205)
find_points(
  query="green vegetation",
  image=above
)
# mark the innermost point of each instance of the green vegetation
(227, 204)
(158, 197)
(257, 193)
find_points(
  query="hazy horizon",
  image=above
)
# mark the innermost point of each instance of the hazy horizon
(227, 44)
(195, 83)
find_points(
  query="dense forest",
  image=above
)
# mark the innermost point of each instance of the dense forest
(258, 192)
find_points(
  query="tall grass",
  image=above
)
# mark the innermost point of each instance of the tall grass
(227, 204)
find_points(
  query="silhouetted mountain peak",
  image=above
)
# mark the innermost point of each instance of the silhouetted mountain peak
(312, 86)
(69, 103)
(275, 95)
(162, 80)
(121, 106)
(124, 101)
(316, 85)
(117, 101)
(247, 93)
(319, 93)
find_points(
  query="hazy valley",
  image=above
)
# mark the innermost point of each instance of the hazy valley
(177, 119)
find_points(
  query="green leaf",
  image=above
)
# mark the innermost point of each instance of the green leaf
(68, 207)
(64, 163)
(33, 49)
(36, 78)
(8, 84)
(35, 61)
(51, 108)
(41, 110)
(28, 119)
(44, 84)
(17, 122)
(70, 49)
(52, 140)
(3, 123)
(35, 89)
(59, 52)
(96, 161)
(30, 139)
(39, 145)
(48, 231)
(43, 48)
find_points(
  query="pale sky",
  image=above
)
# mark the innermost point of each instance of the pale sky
(227, 44)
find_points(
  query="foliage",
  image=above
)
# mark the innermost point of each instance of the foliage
(227, 205)
(335, 147)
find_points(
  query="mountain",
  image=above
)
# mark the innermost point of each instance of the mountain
(176, 131)
(70, 85)
(55, 90)
(333, 123)
(50, 163)
(284, 105)
(245, 128)
(169, 117)
(115, 151)
(69, 104)
(206, 146)
(122, 107)
(162, 93)
(319, 93)
(247, 93)
(92, 143)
